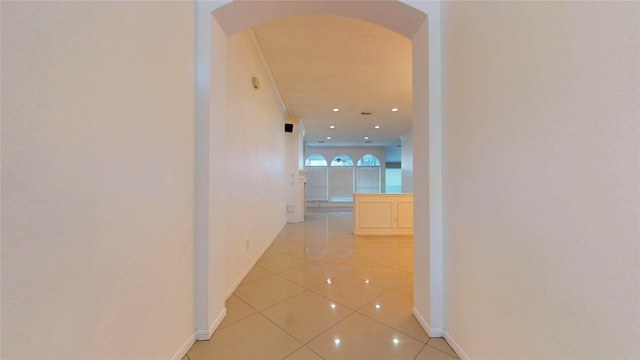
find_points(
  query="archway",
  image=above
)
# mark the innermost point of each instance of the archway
(419, 22)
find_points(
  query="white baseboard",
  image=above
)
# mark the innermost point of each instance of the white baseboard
(184, 348)
(233, 287)
(434, 333)
(456, 347)
(206, 334)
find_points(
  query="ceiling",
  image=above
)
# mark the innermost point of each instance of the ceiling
(323, 62)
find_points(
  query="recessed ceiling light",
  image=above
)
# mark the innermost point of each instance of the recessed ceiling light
(377, 127)
(366, 138)
(328, 137)
(394, 109)
(332, 127)
(336, 109)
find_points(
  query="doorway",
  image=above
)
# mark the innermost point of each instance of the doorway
(214, 24)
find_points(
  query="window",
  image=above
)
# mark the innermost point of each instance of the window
(342, 160)
(368, 160)
(338, 181)
(393, 180)
(317, 183)
(316, 178)
(316, 160)
(368, 174)
(341, 179)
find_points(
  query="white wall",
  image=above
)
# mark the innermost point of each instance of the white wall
(255, 201)
(294, 163)
(97, 179)
(541, 132)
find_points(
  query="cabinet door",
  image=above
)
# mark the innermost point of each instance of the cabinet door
(375, 214)
(405, 214)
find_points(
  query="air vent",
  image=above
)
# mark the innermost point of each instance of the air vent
(321, 141)
(368, 142)
(365, 113)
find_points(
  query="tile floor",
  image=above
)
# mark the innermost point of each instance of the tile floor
(319, 292)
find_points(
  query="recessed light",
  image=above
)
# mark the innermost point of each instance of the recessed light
(366, 138)
(332, 127)
(394, 109)
(336, 109)
(328, 137)
(377, 127)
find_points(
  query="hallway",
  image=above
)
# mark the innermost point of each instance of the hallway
(320, 292)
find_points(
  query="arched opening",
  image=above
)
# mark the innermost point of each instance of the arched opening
(315, 160)
(341, 179)
(214, 25)
(317, 178)
(368, 160)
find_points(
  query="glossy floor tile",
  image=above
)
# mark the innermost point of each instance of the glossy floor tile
(319, 292)
(245, 340)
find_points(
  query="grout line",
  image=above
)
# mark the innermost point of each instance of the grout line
(330, 299)
(387, 325)
(444, 352)
(285, 331)
(252, 281)
(293, 352)
(330, 327)
(310, 349)
(238, 320)
(285, 300)
(419, 352)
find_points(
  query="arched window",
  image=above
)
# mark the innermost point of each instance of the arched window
(341, 179)
(368, 160)
(342, 160)
(316, 178)
(316, 160)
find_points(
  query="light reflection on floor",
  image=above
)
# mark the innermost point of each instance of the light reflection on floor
(320, 292)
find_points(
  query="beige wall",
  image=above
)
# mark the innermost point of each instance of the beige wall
(541, 185)
(97, 179)
(255, 188)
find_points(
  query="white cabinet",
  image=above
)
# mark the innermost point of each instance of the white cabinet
(382, 214)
